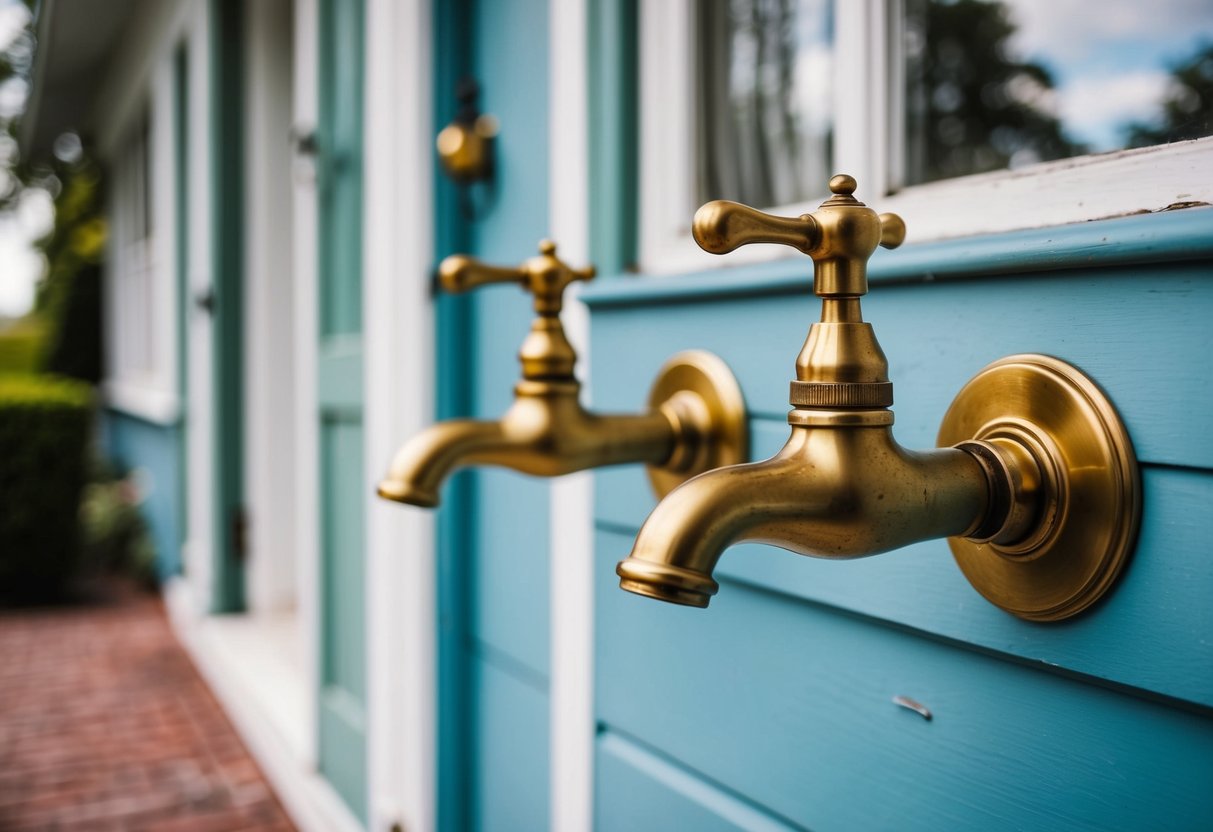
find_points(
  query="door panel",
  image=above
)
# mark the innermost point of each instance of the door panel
(342, 701)
(780, 695)
(511, 763)
(494, 550)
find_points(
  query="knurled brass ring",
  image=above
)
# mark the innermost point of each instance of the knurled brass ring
(841, 394)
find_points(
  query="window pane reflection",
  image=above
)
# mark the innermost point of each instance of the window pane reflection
(765, 78)
(1005, 83)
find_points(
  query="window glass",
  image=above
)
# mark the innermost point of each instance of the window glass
(765, 79)
(992, 84)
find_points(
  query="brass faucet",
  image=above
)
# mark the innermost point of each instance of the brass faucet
(1039, 493)
(696, 417)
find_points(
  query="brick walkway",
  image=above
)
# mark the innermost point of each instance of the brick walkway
(105, 725)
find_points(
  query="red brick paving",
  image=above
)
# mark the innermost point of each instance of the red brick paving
(106, 725)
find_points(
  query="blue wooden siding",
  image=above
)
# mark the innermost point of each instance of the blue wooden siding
(494, 588)
(154, 451)
(778, 698)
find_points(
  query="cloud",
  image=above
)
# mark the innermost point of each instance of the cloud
(1094, 107)
(13, 18)
(1073, 31)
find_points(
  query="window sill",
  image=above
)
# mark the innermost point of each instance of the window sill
(1168, 236)
(1043, 196)
(142, 401)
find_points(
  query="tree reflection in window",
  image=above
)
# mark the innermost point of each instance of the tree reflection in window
(1187, 108)
(971, 106)
(992, 84)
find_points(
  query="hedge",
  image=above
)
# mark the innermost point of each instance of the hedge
(21, 346)
(45, 425)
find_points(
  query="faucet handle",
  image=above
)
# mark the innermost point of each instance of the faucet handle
(545, 276)
(722, 226)
(840, 236)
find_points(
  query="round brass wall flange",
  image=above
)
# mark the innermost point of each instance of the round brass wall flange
(698, 392)
(1091, 499)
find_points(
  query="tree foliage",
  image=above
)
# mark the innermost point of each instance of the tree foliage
(974, 106)
(1187, 108)
(16, 61)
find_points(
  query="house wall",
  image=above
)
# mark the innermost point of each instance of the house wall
(149, 453)
(774, 708)
(143, 416)
(755, 319)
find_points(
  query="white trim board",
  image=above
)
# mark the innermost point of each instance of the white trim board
(399, 383)
(269, 365)
(199, 416)
(571, 551)
(305, 94)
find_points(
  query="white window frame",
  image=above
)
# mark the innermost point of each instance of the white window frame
(141, 373)
(141, 360)
(868, 114)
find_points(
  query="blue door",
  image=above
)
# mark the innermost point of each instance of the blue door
(342, 695)
(493, 523)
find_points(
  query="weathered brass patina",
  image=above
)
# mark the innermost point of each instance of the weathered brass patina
(1039, 492)
(696, 419)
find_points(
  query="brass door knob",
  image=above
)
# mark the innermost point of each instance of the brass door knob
(465, 146)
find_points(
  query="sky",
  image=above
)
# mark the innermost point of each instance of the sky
(1110, 58)
(20, 265)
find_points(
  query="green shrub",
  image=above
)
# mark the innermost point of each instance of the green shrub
(45, 424)
(22, 346)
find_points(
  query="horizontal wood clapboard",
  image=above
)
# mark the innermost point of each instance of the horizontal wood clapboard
(778, 698)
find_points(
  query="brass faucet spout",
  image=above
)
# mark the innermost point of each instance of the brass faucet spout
(545, 432)
(832, 493)
(425, 461)
(1039, 494)
(695, 419)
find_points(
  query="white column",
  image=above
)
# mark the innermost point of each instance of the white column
(399, 384)
(572, 520)
(199, 456)
(269, 382)
(307, 469)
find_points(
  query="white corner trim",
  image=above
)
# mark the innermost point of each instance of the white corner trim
(142, 401)
(399, 383)
(571, 517)
(313, 804)
(307, 465)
